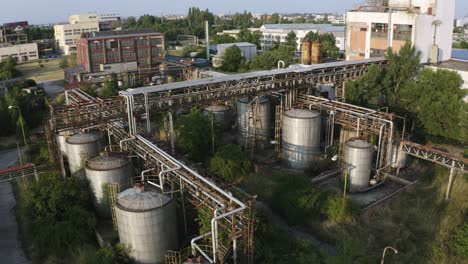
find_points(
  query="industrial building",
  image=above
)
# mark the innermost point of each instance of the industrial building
(100, 51)
(20, 53)
(66, 34)
(248, 50)
(427, 24)
(272, 33)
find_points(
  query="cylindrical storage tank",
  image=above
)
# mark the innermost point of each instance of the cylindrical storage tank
(222, 114)
(246, 125)
(301, 137)
(81, 147)
(399, 157)
(306, 48)
(105, 169)
(316, 52)
(62, 145)
(358, 162)
(147, 224)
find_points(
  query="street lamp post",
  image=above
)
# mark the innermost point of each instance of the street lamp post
(21, 122)
(384, 251)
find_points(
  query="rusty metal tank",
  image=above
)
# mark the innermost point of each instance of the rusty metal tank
(316, 52)
(306, 56)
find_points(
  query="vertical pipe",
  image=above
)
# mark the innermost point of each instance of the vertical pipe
(207, 35)
(449, 187)
(148, 121)
(109, 140)
(171, 128)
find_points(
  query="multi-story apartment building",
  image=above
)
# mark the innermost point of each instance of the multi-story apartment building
(427, 24)
(20, 53)
(66, 34)
(99, 51)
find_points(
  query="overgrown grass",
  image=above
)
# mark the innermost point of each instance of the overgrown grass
(297, 200)
(419, 223)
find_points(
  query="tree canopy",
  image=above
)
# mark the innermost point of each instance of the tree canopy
(224, 38)
(432, 99)
(232, 59)
(269, 59)
(328, 41)
(195, 134)
(230, 162)
(291, 41)
(60, 214)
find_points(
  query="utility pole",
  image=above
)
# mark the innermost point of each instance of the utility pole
(207, 37)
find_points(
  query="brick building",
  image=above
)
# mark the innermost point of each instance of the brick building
(98, 51)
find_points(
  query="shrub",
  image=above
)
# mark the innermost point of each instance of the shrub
(460, 240)
(230, 162)
(60, 214)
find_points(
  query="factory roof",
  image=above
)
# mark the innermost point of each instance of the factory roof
(458, 65)
(241, 76)
(118, 33)
(305, 26)
(238, 44)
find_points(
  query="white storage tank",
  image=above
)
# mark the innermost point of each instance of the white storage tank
(246, 125)
(358, 163)
(105, 169)
(81, 147)
(301, 137)
(222, 115)
(399, 157)
(147, 223)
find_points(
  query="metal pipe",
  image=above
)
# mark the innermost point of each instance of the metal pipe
(125, 140)
(145, 171)
(195, 246)
(378, 148)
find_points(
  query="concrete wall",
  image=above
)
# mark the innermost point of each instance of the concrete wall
(424, 28)
(66, 35)
(83, 18)
(20, 53)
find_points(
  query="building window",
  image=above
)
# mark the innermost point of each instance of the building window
(379, 30)
(402, 32)
(377, 53)
(111, 44)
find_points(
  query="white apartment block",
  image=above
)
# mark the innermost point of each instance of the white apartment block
(20, 53)
(66, 34)
(427, 24)
(272, 33)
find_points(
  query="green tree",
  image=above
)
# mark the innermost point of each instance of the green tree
(232, 59)
(437, 101)
(291, 41)
(275, 18)
(269, 59)
(328, 41)
(60, 214)
(245, 35)
(110, 255)
(363, 90)
(64, 62)
(230, 162)
(224, 38)
(402, 68)
(194, 132)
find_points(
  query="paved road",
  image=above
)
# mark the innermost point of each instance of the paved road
(51, 88)
(10, 247)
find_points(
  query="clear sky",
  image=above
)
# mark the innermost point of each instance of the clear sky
(50, 11)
